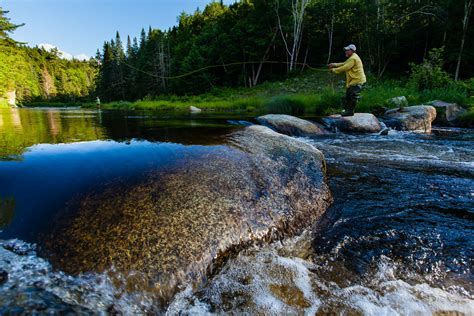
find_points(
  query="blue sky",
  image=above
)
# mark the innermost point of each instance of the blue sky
(81, 26)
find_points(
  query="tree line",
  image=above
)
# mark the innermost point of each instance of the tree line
(244, 44)
(252, 41)
(35, 74)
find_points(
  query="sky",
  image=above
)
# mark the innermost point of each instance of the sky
(79, 27)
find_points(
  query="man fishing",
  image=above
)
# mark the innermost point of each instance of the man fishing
(355, 78)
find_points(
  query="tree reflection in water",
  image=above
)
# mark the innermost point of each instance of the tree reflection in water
(7, 211)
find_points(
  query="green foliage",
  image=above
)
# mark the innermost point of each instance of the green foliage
(328, 101)
(285, 105)
(237, 45)
(430, 74)
(307, 94)
(452, 93)
(6, 27)
(374, 96)
(36, 74)
(3, 103)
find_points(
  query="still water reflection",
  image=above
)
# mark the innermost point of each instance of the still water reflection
(49, 157)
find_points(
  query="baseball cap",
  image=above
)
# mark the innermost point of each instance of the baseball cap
(351, 47)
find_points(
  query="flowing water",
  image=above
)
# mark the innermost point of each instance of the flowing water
(399, 238)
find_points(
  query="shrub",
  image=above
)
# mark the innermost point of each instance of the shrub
(429, 74)
(329, 101)
(453, 93)
(285, 105)
(374, 98)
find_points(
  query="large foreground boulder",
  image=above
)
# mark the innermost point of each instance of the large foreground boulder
(176, 225)
(413, 118)
(359, 123)
(448, 114)
(290, 125)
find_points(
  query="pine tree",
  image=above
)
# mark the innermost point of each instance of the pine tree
(142, 39)
(6, 27)
(129, 52)
(118, 71)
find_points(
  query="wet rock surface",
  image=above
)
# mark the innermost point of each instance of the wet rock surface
(178, 225)
(33, 301)
(291, 125)
(29, 286)
(359, 123)
(413, 118)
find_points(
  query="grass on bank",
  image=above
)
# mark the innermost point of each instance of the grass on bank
(308, 94)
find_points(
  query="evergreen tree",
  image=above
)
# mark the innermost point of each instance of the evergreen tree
(6, 27)
(232, 45)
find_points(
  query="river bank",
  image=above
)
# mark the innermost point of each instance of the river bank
(308, 94)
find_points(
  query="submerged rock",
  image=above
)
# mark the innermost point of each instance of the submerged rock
(176, 226)
(359, 123)
(413, 118)
(290, 125)
(240, 123)
(448, 113)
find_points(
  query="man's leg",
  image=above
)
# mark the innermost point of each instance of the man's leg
(345, 103)
(351, 99)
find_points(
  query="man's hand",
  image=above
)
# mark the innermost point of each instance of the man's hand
(331, 66)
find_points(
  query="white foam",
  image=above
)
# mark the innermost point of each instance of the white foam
(381, 294)
(93, 291)
(245, 283)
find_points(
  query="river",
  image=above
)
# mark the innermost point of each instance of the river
(398, 239)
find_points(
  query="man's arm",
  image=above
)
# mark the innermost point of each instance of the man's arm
(334, 65)
(343, 67)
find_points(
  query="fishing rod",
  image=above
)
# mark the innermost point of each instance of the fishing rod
(219, 66)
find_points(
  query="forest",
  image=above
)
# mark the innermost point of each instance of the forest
(36, 75)
(253, 41)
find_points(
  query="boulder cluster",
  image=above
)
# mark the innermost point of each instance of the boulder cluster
(418, 118)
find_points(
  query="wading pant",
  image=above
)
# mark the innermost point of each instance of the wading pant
(352, 97)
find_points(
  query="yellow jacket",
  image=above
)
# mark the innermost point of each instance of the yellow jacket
(354, 70)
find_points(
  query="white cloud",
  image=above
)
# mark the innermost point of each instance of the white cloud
(82, 57)
(62, 54)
